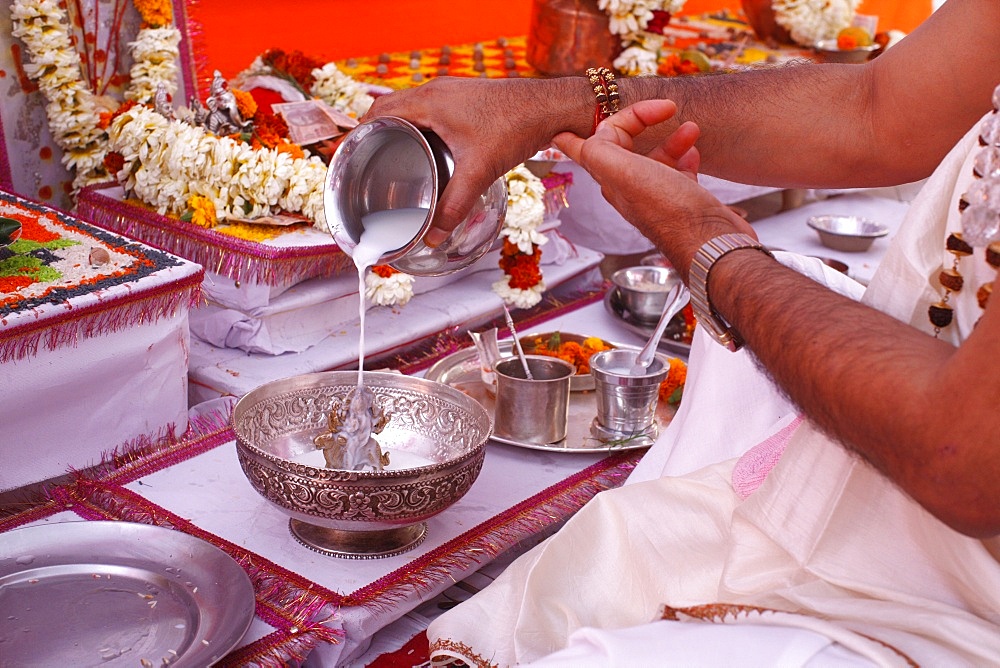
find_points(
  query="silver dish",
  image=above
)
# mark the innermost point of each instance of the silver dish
(643, 290)
(460, 370)
(436, 435)
(851, 234)
(671, 341)
(118, 594)
(580, 382)
(827, 51)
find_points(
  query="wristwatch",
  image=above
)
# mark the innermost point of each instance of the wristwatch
(701, 268)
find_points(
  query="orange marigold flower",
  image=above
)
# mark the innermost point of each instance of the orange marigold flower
(293, 150)
(245, 104)
(295, 65)
(155, 13)
(673, 385)
(383, 270)
(524, 277)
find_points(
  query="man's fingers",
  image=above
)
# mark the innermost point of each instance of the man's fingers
(569, 144)
(456, 201)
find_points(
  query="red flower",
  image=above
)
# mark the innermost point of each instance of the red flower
(659, 21)
(113, 162)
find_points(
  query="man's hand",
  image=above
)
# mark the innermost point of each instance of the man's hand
(474, 119)
(657, 192)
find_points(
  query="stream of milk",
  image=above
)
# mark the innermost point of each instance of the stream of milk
(384, 231)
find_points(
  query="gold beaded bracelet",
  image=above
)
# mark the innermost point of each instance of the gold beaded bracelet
(602, 80)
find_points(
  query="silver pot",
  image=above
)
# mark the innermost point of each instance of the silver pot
(388, 163)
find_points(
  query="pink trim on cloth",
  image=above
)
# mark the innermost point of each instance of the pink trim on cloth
(752, 468)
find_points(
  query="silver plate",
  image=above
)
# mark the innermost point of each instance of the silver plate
(461, 371)
(118, 594)
(667, 344)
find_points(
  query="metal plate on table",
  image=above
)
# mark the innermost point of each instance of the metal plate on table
(670, 343)
(461, 371)
(118, 594)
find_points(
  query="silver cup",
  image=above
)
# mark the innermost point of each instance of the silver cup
(387, 163)
(626, 404)
(532, 411)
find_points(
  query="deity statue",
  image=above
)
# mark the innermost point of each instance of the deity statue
(348, 445)
(223, 113)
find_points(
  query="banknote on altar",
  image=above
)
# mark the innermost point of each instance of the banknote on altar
(312, 121)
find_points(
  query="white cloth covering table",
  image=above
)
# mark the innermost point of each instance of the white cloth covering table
(94, 356)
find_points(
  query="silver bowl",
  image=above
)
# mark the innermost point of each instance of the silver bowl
(436, 434)
(847, 233)
(827, 52)
(387, 163)
(642, 291)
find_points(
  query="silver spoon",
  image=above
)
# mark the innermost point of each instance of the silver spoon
(677, 298)
(517, 343)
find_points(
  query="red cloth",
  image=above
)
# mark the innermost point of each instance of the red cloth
(413, 653)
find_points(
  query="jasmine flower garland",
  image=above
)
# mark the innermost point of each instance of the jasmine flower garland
(166, 162)
(340, 91)
(72, 109)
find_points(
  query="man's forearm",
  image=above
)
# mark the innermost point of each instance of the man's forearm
(903, 400)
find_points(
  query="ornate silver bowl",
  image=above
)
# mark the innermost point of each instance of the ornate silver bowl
(436, 439)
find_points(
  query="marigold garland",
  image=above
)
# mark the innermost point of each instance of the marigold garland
(155, 13)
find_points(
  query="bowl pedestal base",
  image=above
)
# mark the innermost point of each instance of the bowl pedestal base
(358, 544)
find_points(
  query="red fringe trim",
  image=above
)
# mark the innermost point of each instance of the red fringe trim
(196, 72)
(238, 259)
(108, 316)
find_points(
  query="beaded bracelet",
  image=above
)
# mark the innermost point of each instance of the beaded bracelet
(602, 80)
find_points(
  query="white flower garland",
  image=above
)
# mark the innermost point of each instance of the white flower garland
(168, 161)
(525, 209)
(340, 91)
(73, 110)
(395, 290)
(330, 85)
(154, 61)
(629, 20)
(809, 21)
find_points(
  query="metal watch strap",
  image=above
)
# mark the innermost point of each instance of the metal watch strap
(701, 268)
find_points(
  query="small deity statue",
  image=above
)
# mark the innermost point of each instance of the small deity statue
(198, 111)
(223, 113)
(348, 445)
(161, 101)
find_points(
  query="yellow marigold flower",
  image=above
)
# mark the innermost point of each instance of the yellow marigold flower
(202, 211)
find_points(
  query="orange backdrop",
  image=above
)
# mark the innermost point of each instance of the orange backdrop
(234, 33)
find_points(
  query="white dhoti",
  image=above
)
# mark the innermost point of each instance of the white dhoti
(825, 544)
